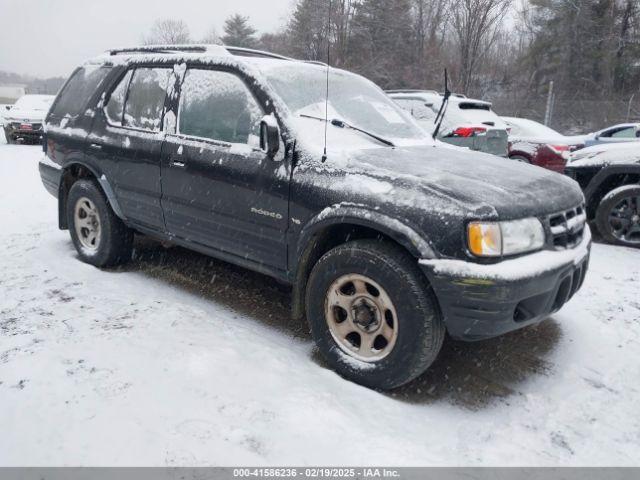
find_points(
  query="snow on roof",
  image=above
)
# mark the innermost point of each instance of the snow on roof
(432, 95)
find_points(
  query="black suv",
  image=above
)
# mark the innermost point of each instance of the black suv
(388, 238)
(609, 174)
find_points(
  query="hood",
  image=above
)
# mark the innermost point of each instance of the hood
(483, 185)
(21, 115)
(606, 154)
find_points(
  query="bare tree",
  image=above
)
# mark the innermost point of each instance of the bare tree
(476, 24)
(168, 31)
(212, 37)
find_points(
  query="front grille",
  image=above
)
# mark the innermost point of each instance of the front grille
(567, 228)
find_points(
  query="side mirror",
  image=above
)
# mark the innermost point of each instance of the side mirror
(8, 107)
(269, 136)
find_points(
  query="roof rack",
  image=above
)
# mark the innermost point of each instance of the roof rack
(408, 90)
(238, 51)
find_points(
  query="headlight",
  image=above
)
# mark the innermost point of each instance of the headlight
(494, 239)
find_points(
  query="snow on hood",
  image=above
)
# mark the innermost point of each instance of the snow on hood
(606, 154)
(470, 183)
(20, 115)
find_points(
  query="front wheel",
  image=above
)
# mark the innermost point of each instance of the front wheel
(100, 237)
(373, 316)
(519, 158)
(618, 216)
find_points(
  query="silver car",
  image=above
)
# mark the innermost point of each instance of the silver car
(467, 123)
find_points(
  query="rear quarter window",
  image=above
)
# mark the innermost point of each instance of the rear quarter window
(145, 99)
(72, 100)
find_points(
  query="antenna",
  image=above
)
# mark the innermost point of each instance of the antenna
(443, 106)
(326, 98)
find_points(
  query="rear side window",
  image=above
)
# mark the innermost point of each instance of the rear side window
(219, 106)
(145, 100)
(627, 132)
(115, 106)
(418, 108)
(73, 99)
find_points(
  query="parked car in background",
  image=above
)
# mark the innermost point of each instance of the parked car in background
(387, 238)
(624, 132)
(4, 108)
(537, 144)
(467, 123)
(24, 120)
(609, 175)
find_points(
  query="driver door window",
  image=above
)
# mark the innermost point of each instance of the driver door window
(218, 106)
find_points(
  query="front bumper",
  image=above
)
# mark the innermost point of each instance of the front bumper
(25, 130)
(484, 301)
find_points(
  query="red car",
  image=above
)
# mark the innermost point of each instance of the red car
(538, 144)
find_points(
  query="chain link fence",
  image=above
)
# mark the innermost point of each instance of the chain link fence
(573, 117)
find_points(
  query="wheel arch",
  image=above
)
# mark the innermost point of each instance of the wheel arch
(73, 172)
(339, 225)
(607, 179)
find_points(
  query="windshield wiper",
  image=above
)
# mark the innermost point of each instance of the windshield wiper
(342, 124)
(443, 106)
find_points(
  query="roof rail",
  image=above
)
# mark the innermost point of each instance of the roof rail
(250, 52)
(161, 49)
(408, 90)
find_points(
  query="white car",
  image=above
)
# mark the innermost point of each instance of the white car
(467, 122)
(23, 121)
(621, 133)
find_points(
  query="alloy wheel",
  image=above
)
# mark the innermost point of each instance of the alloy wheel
(87, 224)
(624, 220)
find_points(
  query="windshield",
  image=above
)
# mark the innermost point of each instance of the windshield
(474, 113)
(352, 99)
(34, 102)
(529, 128)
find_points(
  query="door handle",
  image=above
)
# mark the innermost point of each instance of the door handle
(176, 163)
(95, 146)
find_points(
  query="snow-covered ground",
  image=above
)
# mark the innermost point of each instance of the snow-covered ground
(177, 359)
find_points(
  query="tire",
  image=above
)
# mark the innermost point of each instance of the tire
(620, 208)
(519, 158)
(415, 330)
(100, 237)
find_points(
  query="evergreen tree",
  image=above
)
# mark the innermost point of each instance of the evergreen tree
(238, 32)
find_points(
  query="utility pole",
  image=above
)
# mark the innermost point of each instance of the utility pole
(550, 101)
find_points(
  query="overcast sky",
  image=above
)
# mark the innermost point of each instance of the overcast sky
(51, 37)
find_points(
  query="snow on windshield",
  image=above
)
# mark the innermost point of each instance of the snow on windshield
(352, 99)
(34, 102)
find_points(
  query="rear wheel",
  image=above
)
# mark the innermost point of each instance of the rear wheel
(618, 216)
(100, 237)
(372, 314)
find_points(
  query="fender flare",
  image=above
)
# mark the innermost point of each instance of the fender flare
(405, 235)
(398, 230)
(102, 181)
(606, 172)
